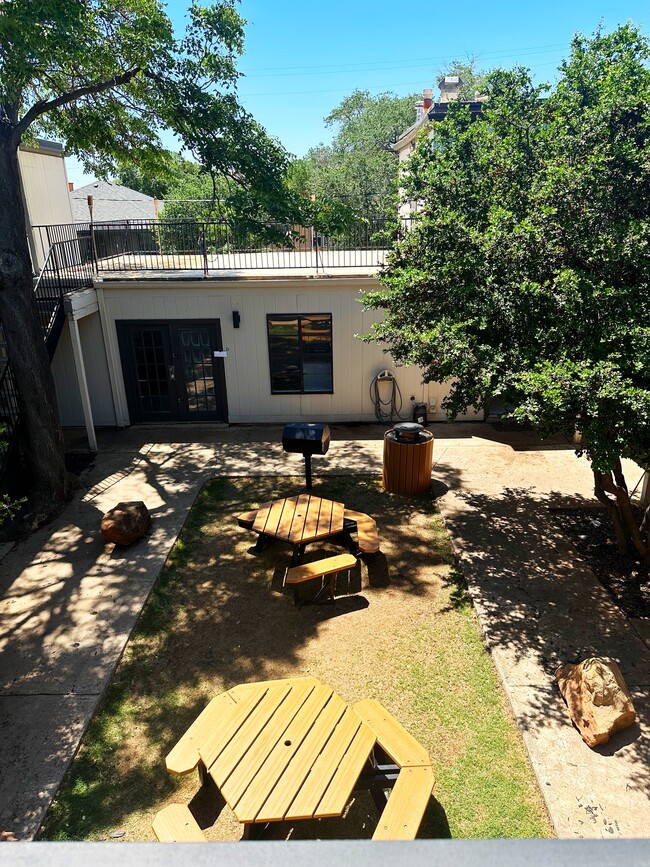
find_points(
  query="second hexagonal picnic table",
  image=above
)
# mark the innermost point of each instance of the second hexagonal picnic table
(294, 749)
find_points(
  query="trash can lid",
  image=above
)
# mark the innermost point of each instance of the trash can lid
(408, 427)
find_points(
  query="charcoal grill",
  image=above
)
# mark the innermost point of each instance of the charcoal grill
(306, 439)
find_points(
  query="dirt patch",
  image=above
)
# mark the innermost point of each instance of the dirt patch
(78, 462)
(626, 578)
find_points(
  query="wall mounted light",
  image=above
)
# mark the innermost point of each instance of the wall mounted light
(236, 319)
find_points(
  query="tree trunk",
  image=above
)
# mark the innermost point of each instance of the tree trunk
(41, 438)
(611, 490)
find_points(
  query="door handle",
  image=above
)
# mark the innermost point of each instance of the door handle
(172, 373)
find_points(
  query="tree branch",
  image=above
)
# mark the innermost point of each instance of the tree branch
(42, 107)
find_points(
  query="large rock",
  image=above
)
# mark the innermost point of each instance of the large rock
(126, 523)
(598, 700)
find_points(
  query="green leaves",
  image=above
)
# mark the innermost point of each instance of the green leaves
(107, 76)
(360, 167)
(527, 270)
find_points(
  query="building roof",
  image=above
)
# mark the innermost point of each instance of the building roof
(41, 145)
(111, 202)
(437, 111)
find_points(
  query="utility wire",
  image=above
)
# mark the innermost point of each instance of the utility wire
(376, 64)
(351, 87)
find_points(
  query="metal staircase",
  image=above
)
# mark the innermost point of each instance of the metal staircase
(68, 267)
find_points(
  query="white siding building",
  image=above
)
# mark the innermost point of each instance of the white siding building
(290, 353)
(45, 190)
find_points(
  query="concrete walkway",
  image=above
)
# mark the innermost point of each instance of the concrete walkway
(69, 602)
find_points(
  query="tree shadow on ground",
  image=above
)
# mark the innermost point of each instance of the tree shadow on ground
(541, 605)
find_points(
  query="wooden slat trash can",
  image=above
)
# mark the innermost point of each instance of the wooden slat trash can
(408, 457)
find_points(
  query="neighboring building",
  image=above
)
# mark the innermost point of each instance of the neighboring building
(45, 190)
(426, 112)
(112, 202)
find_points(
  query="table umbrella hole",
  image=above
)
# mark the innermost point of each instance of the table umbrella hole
(287, 743)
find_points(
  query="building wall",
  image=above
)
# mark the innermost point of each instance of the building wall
(45, 190)
(65, 376)
(247, 366)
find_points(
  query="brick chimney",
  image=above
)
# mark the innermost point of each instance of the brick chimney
(70, 186)
(450, 87)
(423, 105)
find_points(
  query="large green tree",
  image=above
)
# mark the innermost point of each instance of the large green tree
(527, 273)
(106, 76)
(359, 167)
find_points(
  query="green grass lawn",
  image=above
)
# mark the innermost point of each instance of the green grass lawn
(402, 631)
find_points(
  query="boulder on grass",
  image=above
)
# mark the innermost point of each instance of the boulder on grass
(126, 523)
(598, 700)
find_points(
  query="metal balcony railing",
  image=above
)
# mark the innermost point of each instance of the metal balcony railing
(221, 247)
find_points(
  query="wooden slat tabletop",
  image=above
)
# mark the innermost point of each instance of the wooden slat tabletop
(269, 515)
(283, 746)
(238, 781)
(262, 515)
(303, 519)
(313, 744)
(264, 778)
(347, 773)
(309, 509)
(320, 776)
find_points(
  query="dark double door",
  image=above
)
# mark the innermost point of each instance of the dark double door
(171, 372)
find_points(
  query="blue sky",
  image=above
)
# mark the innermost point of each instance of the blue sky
(302, 59)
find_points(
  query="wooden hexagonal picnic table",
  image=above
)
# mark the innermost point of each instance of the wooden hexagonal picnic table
(303, 519)
(294, 749)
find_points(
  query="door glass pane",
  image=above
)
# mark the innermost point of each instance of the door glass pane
(151, 369)
(196, 357)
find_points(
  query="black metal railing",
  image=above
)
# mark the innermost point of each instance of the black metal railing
(68, 267)
(166, 245)
(9, 412)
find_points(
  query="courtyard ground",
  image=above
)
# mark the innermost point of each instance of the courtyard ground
(70, 602)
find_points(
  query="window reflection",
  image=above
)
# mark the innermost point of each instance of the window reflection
(300, 353)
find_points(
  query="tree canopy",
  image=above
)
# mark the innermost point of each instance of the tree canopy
(527, 272)
(105, 77)
(359, 167)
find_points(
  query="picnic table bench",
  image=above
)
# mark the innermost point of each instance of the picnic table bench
(176, 824)
(325, 568)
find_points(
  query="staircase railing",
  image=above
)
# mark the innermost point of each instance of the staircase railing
(68, 267)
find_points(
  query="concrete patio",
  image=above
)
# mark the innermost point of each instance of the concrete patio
(69, 602)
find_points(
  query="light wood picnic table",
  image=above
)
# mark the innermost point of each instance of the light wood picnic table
(294, 749)
(303, 519)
